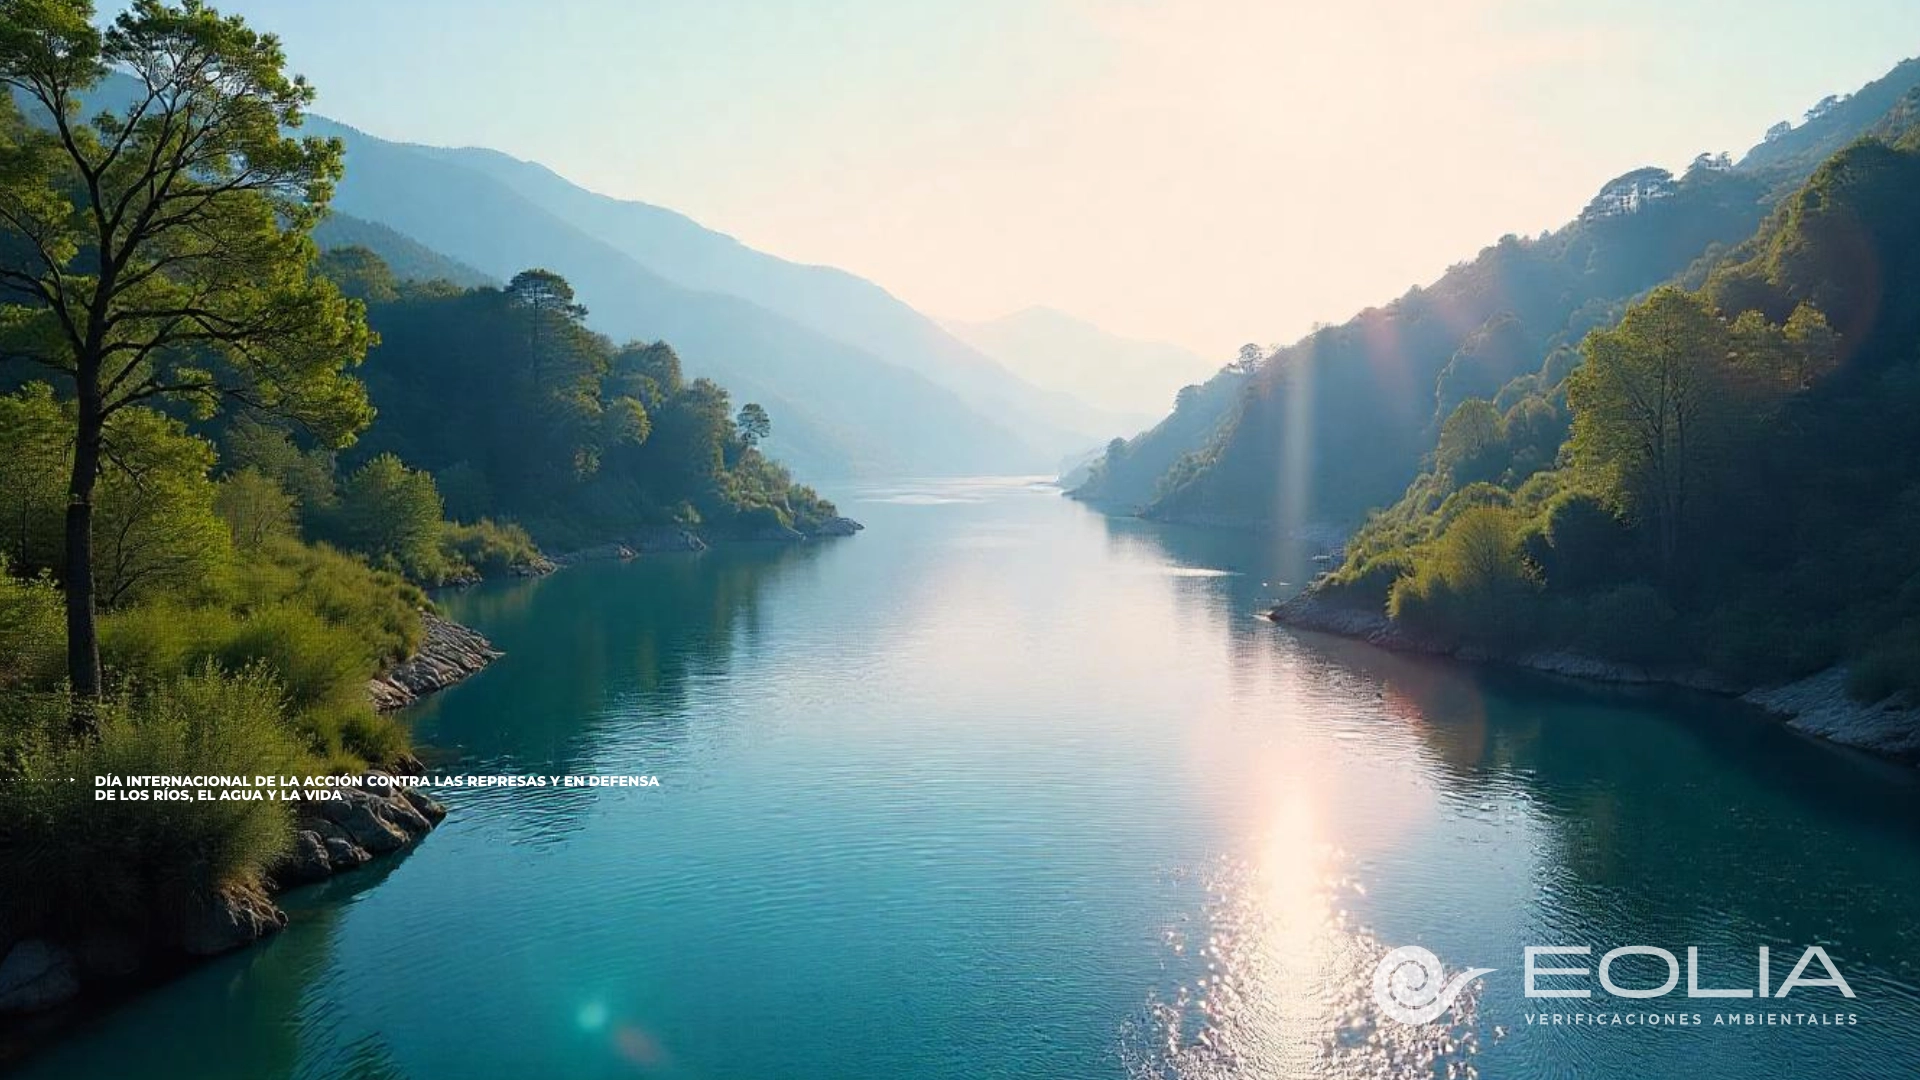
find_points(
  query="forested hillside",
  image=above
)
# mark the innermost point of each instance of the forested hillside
(824, 300)
(1343, 420)
(229, 463)
(1740, 482)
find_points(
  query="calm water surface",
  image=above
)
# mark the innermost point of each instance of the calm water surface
(1001, 788)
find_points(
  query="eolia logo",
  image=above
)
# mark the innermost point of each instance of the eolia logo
(1410, 985)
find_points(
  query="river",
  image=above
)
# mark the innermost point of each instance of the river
(1005, 788)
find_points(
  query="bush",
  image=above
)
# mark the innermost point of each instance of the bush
(320, 622)
(1368, 584)
(33, 630)
(1633, 623)
(488, 546)
(139, 864)
(1888, 668)
(1471, 584)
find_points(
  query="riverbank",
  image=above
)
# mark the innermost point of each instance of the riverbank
(50, 980)
(47, 982)
(1818, 705)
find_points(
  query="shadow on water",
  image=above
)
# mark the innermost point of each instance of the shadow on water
(598, 642)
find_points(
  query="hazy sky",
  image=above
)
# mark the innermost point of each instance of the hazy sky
(1200, 171)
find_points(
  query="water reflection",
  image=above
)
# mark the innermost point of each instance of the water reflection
(1003, 788)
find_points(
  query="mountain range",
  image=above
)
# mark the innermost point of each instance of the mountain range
(857, 381)
(1135, 380)
(1342, 421)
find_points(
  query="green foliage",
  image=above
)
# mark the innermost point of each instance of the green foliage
(1736, 490)
(490, 547)
(255, 508)
(392, 515)
(319, 622)
(524, 414)
(1471, 583)
(160, 255)
(155, 530)
(138, 865)
(752, 424)
(32, 630)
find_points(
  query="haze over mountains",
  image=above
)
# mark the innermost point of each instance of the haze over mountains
(857, 381)
(1056, 351)
(1342, 421)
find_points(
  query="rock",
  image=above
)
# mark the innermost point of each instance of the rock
(448, 653)
(1820, 705)
(232, 917)
(665, 538)
(1309, 612)
(307, 863)
(343, 854)
(597, 553)
(538, 566)
(426, 807)
(838, 526)
(355, 815)
(36, 975)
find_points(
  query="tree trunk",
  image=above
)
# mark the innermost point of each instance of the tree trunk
(83, 632)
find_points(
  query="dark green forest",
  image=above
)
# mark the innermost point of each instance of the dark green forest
(1728, 476)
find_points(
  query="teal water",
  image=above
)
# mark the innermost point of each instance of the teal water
(1002, 788)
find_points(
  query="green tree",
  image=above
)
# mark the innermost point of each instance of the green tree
(1472, 446)
(550, 313)
(165, 248)
(155, 529)
(392, 514)
(255, 508)
(1648, 410)
(753, 424)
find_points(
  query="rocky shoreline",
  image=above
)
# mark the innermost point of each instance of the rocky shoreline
(1818, 705)
(38, 974)
(448, 653)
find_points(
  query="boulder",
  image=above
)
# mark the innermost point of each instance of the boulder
(234, 916)
(36, 975)
(307, 863)
(838, 526)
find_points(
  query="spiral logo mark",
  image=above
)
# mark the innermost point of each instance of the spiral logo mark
(1409, 985)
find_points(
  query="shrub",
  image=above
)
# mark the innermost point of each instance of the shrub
(490, 547)
(137, 864)
(1471, 583)
(33, 630)
(1890, 667)
(1368, 584)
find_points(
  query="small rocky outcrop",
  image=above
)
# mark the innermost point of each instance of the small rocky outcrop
(234, 916)
(837, 526)
(658, 539)
(1309, 611)
(448, 653)
(335, 835)
(597, 553)
(1820, 705)
(330, 836)
(37, 974)
(537, 566)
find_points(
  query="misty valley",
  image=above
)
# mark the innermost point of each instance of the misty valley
(458, 619)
